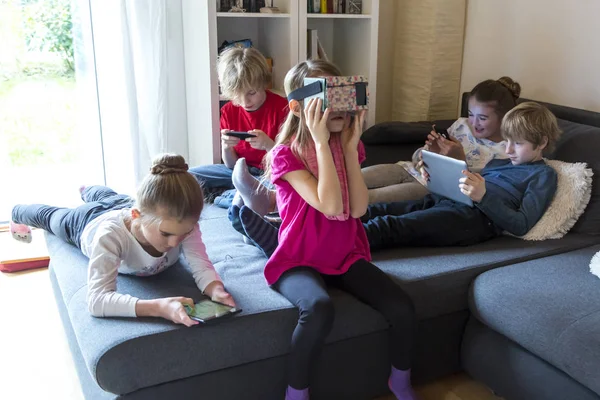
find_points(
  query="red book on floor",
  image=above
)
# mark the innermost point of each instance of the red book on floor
(17, 256)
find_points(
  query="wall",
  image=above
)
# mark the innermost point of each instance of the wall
(551, 47)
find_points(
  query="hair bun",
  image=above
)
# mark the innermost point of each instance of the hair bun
(511, 85)
(168, 164)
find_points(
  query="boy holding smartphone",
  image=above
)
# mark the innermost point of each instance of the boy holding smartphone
(253, 110)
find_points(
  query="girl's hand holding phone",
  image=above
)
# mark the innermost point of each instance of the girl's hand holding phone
(172, 308)
(446, 146)
(317, 121)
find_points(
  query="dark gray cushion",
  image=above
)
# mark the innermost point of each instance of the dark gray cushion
(438, 279)
(549, 306)
(581, 143)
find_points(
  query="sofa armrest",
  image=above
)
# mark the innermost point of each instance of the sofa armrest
(390, 142)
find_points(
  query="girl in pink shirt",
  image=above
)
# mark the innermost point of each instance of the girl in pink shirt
(315, 166)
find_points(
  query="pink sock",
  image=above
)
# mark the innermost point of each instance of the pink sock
(399, 384)
(20, 232)
(295, 394)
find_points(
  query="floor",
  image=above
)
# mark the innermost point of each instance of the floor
(36, 362)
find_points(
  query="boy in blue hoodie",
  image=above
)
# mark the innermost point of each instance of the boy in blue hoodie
(509, 195)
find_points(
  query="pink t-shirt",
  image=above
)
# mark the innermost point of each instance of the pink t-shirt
(306, 237)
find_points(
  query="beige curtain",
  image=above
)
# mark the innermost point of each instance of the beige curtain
(427, 59)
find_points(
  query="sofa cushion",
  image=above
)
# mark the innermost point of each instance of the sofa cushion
(549, 306)
(438, 279)
(581, 143)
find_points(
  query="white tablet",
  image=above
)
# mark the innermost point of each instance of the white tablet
(444, 175)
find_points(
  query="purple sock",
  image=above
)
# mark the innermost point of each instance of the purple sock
(399, 384)
(296, 394)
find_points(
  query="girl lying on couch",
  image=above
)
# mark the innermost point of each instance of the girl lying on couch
(139, 238)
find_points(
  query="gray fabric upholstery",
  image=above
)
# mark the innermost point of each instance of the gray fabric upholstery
(513, 372)
(549, 306)
(581, 143)
(110, 346)
(430, 274)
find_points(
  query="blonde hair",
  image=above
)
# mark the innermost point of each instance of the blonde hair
(294, 131)
(169, 190)
(242, 69)
(532, 122)
(501, 94)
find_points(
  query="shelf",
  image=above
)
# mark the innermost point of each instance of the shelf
(251, 15)
(338, 16)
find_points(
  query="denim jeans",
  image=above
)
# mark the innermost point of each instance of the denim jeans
(431, 221)
(219, 176)
(69, 223)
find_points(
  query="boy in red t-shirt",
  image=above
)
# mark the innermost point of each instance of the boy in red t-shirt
(243, 75)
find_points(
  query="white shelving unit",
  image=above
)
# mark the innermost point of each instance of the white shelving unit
(350, 41)
(275, 35)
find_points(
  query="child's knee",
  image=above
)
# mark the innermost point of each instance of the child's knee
(401, 310)
(317, 312)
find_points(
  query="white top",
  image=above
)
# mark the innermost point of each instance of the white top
(112, 249)
(478, 152)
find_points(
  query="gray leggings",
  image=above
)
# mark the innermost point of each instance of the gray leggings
(307, 290)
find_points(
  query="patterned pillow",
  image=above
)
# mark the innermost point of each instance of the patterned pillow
(573, 192)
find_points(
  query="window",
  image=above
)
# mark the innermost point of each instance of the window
(50, 141)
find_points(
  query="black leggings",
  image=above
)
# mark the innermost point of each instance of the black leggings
(69, 223)
(306, 289)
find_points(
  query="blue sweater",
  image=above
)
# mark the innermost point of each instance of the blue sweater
(517, 196)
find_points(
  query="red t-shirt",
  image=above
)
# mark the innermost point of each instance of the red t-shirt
(268, 118)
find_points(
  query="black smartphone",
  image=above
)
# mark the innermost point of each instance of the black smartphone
(240, 135)
(207, 310)
(443, 132)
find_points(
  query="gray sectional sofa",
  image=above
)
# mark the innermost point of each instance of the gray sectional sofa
(516, 315)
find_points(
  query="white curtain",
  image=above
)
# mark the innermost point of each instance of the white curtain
(131, 40)
(144, 31)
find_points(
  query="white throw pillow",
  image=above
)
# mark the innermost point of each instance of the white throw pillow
(573, 192)
(595, 265)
